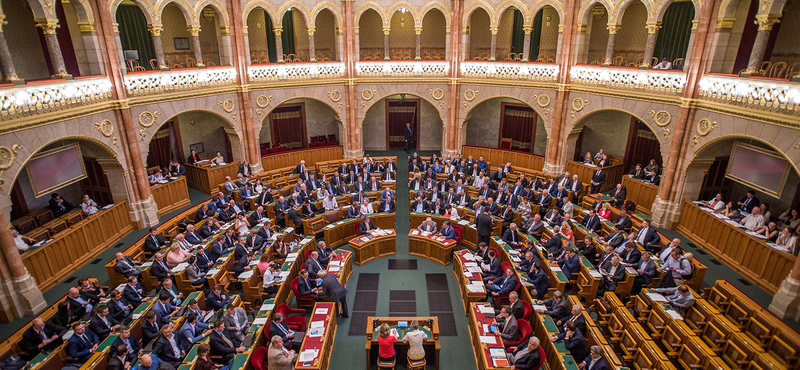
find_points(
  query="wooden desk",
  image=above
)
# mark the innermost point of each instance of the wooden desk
(765, 266)
(469, 232)
(75, 246)
(430, 248)
(613, 173)
(171, 196)
(640, 192)
(207, 179)
(501, 156)
(376, 245)
(460, 264)
(483, 359)
(324, 343)
(339, 233)
(292, 158)
(428, 325)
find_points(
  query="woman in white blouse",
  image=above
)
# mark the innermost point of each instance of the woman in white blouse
(415, 338)
(525, 208)
(272, 276)
(242, 224)
(218, 160)
(452, 212)
(787, 240)
(366, 207)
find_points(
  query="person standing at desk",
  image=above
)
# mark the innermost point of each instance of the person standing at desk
(484, 226)
(330, 287)
(408, 136)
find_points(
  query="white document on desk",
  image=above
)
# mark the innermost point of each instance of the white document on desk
(657, 297)
(260, 320)
(485, 309)
(489, 339)
(321, 311)
(308, 355)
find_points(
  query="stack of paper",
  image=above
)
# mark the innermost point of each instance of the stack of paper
(485, 309)
(489, 339)
(260, 320)
(655, 297)
(675, 315)
(246, 275)
(539, 307)
(555, 268)
(267, 307)
(308, 355)
(147, 264)
(321, 311)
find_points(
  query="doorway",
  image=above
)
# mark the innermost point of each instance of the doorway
(398, 113)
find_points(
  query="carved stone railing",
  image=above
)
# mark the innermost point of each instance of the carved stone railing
(396, 68)
(295, 71)
(141, 84)
(773, 96)
(657, 82)
(545, 72)
(27, 100)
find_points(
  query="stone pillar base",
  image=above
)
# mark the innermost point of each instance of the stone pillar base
(145, 212)
(9, 309)
(553, 168)
(644, 67)
(29, 298)
(796, 78)
(664, 212)
(257, 167)
(355, 153)
(786, 303)
(749, 72)
(452, 152)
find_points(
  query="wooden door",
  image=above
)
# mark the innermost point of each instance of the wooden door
(397, 115)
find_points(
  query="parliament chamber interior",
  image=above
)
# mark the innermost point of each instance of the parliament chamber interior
(463, 184)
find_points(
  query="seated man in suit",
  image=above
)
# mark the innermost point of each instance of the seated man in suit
(535, 226)
(167, 347)
(612, 277)
(325, 253)
(164, 308)
(448, 231)
(527, 262)
(575, 316)
(502, 285)
(366, 226)
(40, 336)
(570, 264)
(573, 340)
(748, 202)
(242, 264)
(511, 237)
(539, 280)
(592, 221)
(159, 268)
(631, 255)
(557, 306)
(126, 266)
(222, 344)
(279, 327)
(648, 237)
(553, 217)
(553, 245)
(118, 307)
(619, 195)
(305, 286)
(82, 343)
(528, 357)
(134, 293)
(494, 270)
(236, 322)
(427, 225)
(102, 323)
(217, 299)
(153, 243)
(150, 327)
(313, 265)
(420, 205)
(637, 173)
(647, 271)
(624, 221)
(507, 327)
(125, 337)
(595, 360)
(192, 236)
(120, 358)
(354, 211)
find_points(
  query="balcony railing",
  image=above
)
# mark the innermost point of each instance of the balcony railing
(667, 83)
(774, 96)
(151, 83)
(27, 100)
(510, 71)
(398, 68)
(295, 71)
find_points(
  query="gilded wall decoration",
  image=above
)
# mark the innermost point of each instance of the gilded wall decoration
(146, 120)
(704, 127)
(228, 106)
(437, 94)
(7, 157)
(106, 128)
(367, 95)
(335, 96)
(662, 119)
(469, 96)
(543, 101)
(577, 105)
(262, 101)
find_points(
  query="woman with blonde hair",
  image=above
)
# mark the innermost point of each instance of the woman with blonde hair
(605, 212)
(386, 341)
(566, 231)
(176, 256)
(414, 338)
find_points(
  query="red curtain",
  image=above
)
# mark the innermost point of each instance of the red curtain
(519, 124)
(398, 114)
(288, 127)
(160, 152)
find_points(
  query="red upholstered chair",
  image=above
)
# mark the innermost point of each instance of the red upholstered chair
(505, 143)
(524, 331)
(458, 230)
(308, 253)
(357, 226)
(298, 319)
(527, 309)
(496, 253)
(259, 358)
(302, 300)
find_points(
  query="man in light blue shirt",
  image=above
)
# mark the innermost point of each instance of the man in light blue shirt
(681, 300)
(193, 331)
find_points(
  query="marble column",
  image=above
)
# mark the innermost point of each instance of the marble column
(91, 45)
(786, 302)
(765, 23)
(29, 299)
(48, 27)
(120, 60)
(558, 43)
(526, 44)
(155, 31)
(279, 44)
(194, 31)
(6, 63)
(311, 49)
(465, 46)
(652, 35)
(418, 48)
(493, 46)
(581, 45)
(248, 57)
(612, 36)
(386, 43)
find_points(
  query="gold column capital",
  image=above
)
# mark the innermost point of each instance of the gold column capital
(311, 30)
(765, 22)
(527, 29)
(226, 30)
(86, 27)
(613, 28)
(244, 30)
(725, 23)
(47, 25)
(277, 30)
(561, 28)
(494, 29)
(115, 27)
(155, 29)
(653, 27)
(193, 30)
(418, 30)
(386, 30)
(465, 30)
(581, 28)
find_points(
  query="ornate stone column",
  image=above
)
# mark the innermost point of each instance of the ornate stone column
(194, 31)
(247, 46)
(28, 299)
(493, 47)
(311, 49)
(554, 161)
(279, 44)
(386, 43)
(155, 31)
(765, 23)
(450, 140)
(6, 63)
(465, 43)
(581, 44)
(91, 44)
(652, 34)
(526, 44)
(351, 137)
(418, 48)
(226, 49)
(612, 37)
(48, 27)
(558, 43)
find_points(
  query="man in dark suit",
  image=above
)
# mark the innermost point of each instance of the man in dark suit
(592, 221)
(300, 168)
(387, 205)
(647, 271)
(408, 136)
(573, 340)
(222, 344)
(483, 223)
(120, 358)
(613, 276)
(305, 286)
(167, 348)
(420, 205)
(82, 343)
(313, 265)
(448, 231)
(557, 306)
(511, 237)
(540, 281)
(245, 169)
(118, 307)
(570, 264)
(201, 214)
(125, 337)
(329, 286)
(619, 194)
(595, 360)
(502, 285)
(291, 338)
(560, 194)
(159, 269)
(264, 198)
(598, 179)
(631, 255)
(150, 328)
(748, 202)
(553, 217)
(624, 221)
(637, 173)
(508, 216)
(126, 266)
(575, 316)
(164, 309)
(648, 237)
(192, 236)
(294, 214)
(102, 323)
(494, 270)
(40, 336)
(59, 206)
(133, 292)
(153, 243)
(366, 226)
(530, 356)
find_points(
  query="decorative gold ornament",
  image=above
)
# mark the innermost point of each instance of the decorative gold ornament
(577, 105)
(368, 94)
(7, 157)
(263, 101)
(661, 118)
(542, 100)
(334, 95)
(437, 94)
(470, 94)
(209, 14)
(227, 105)
(106, 128)
(147, 119)
(704, 127)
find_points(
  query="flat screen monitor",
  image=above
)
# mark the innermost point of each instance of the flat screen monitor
(760, 168)
(55, 169)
